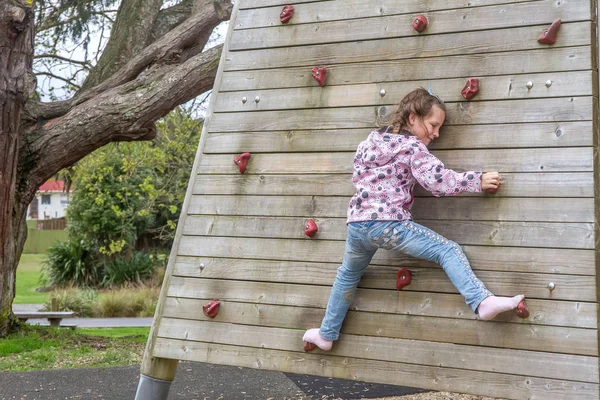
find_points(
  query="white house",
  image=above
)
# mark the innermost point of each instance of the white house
(51, 201)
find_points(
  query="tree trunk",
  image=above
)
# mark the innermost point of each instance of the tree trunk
(16, 84)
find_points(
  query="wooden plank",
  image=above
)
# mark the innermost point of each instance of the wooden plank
(244, 4)
(530, 61)
(480, 42)
(572, 159)
(423, 304)
(359, 27)
(464, 113)
(329, 11)
(503, 87)
(515, 259)
(533, 364)
(486, 383)
(478, 233)
(576, 184)
(533, 286)
(412, 327)
(559, 134)
(449, 208)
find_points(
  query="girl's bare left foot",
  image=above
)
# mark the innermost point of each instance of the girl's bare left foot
(494, 305)
(313, 337)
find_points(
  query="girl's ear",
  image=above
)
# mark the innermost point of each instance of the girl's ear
(412, 118)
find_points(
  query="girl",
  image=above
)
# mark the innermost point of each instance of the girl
(386, 167)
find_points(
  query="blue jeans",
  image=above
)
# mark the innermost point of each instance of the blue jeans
(364, 238)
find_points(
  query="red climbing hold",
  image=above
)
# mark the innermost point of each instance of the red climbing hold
(404, 278)
(309, 346)
(549, 36)
(319, 75)
(286, 14)
(310, 229)
(211, 309)
(241, 161)
(522, 310)
(419, 23)
(471, 88)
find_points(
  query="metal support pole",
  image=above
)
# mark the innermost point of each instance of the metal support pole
(152, 389)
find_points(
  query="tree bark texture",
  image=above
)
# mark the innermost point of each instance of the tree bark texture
(16, 57)
(141, 78)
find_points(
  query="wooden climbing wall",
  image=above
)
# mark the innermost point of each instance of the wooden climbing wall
(241, 239)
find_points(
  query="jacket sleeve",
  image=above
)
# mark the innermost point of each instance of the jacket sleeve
(430, 172)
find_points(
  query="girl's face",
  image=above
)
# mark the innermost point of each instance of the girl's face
(427, 128)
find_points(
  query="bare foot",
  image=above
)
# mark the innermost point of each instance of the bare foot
(493, 305)
(312, 336)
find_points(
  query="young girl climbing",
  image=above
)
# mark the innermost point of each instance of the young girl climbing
(387, 165)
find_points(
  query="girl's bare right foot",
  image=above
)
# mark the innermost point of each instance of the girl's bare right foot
(312, 336)
(494, 305)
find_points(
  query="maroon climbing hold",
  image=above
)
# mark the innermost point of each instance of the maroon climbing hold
(286, 14)
(319, 75)
(310, 228)
(211, 309)
(471, 88)
(419, 23)
(308, 346)
(241, 161)
(549, 36)
(522, 310)
(404, 278)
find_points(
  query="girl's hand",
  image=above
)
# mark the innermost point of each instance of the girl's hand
(490, 180)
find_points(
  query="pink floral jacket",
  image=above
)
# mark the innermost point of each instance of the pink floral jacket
(386, 168)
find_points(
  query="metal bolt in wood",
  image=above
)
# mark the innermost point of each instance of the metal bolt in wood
(529, 85)
(548, 83)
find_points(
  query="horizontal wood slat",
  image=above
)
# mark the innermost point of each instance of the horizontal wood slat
(467, 113)
(244, 4)
(489, 41)
(506, 87)
(368, 72)
(330, 11)
(533, 364)
(449, 208)
(576, 184)
(440, 22)
(512, 386)
(509, 259)
(558, 134)
(389, 303)
(567, 287)
(572, 159)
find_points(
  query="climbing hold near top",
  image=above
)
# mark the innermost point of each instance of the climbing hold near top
(308, 346)
(310, 228)
(211, 309)
(241, 161)
(419, 23)
(319, 75)
(286, 14)
(549, 36)
(522, 310)
(471, 88)
(404, 278)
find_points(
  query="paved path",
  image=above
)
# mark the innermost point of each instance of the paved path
(98, 322)
(194, 381)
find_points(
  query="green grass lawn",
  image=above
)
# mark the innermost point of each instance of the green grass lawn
(37, 348)
(28, 279)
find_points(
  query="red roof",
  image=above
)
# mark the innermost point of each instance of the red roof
(52, 186)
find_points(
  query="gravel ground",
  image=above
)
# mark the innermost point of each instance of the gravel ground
(440, 396)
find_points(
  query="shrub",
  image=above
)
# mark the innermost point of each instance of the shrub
(128, 303)
(137, 269)
(82, 302)
(70, 264)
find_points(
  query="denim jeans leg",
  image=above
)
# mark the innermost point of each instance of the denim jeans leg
(421, 242)
(357, 257)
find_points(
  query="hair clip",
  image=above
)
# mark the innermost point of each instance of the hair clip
(434, 95)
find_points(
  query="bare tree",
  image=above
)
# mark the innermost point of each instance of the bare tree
(152, 62)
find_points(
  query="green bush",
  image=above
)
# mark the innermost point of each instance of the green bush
(136, 269)
(70, 264)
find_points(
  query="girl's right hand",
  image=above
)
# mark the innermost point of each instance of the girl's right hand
(490, 180)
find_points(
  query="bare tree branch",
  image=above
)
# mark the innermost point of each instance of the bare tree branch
(66, 59)
(66, 80)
